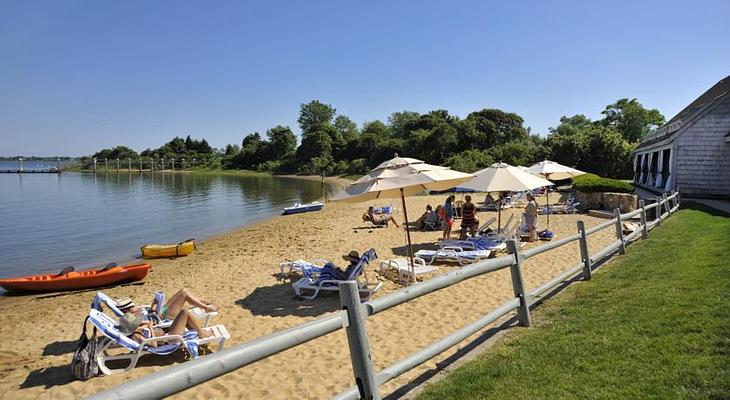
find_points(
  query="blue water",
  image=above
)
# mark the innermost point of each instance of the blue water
(48, 221)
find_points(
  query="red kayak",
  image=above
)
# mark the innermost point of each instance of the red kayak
(68, 279)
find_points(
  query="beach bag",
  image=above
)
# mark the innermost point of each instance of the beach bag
(83, 364)
(546, 234)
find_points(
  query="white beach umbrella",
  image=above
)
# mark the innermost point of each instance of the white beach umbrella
(501, 177)
(555, 172)
(401, 177)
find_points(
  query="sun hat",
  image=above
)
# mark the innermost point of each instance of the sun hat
(124, 303)
(352, 256)
(128, 323)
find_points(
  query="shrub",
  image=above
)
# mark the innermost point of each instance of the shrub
(590, 183)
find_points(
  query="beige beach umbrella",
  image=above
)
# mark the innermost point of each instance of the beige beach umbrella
(555, 172)
(501, 177)
(401, 177)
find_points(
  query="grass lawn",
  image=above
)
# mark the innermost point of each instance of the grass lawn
(654, 323)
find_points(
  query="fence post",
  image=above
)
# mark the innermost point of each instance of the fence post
(619, 230)
(583, 241)
(644, 229)
(357, 338)
(658, 210)
(518, 285)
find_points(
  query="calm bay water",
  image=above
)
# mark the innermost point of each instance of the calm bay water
(48, 221)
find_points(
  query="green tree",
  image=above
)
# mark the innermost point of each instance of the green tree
(315, 144)
(497, 127)
(121, 152)
(607, 153)
(567, 142)
(402, 122)
(516, 152)
(470, 160)
(251, 153)
(346, 128)
(177, 145)
(631, 119)
(315, 116)
(282, 143)
(232, 149)
(204, 147)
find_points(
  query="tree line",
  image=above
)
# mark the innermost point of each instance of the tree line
(333, 144)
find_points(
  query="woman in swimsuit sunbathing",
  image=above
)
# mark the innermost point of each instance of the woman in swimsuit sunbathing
(146, 329)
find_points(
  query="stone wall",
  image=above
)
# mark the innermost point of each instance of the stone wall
(607, 201)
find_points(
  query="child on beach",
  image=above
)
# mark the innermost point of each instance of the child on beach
(448, 216)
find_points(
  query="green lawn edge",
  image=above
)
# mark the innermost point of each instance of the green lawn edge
(654, 323)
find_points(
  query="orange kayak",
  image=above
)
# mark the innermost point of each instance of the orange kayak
(76, 279)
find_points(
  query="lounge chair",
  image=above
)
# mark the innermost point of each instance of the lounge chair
(519, 199)
(159, 300)
(402, 266)
(300, 266)
(484, 206)
(432, 224)
(571, 206)
(483, 228)
(453, 254)
(131, 350)
(494, 241)
(486, 242)
(328, 279)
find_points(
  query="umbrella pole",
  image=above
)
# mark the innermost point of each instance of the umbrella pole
(408, 235)
(499, 217)
(547, 197)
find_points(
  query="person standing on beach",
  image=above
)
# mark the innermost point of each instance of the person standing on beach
(531, 216)
(448, 216)
(469, 221)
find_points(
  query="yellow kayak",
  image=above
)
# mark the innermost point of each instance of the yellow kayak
(168, 250)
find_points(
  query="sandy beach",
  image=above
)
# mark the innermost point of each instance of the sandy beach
(239, 272)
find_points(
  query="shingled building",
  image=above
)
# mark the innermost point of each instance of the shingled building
(691, 152)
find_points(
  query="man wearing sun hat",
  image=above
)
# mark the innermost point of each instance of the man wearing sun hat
(353, 257)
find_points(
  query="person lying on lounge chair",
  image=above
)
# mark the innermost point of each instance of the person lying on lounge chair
(380, 219)
(173, 306)
(132, 325)
(353, 257)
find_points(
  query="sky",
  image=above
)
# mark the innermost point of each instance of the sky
(78, 76)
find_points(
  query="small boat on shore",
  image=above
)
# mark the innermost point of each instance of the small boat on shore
(298, 208)
(69, 279)
(168, 250)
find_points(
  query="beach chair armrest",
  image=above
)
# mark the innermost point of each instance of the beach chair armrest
(455, 249)
(165, 338)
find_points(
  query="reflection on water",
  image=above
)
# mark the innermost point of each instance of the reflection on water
(48, 221)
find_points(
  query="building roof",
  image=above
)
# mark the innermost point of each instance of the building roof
(667, 132)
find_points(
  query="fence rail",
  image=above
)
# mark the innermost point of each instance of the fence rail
(180, 377)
